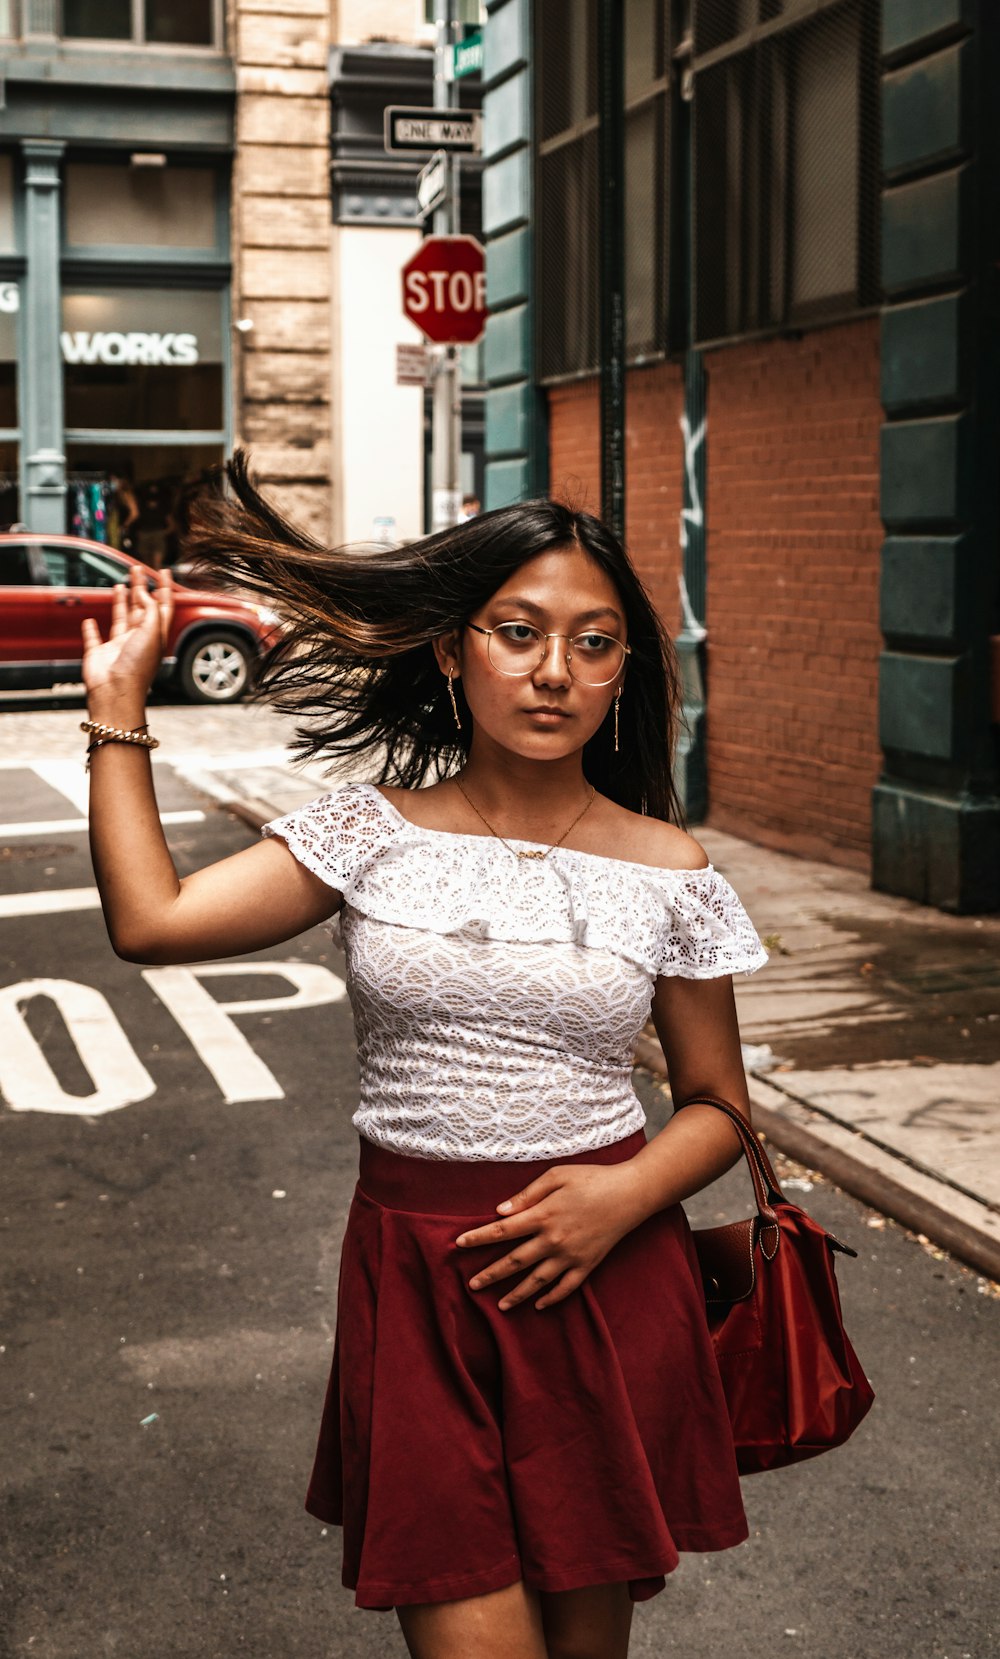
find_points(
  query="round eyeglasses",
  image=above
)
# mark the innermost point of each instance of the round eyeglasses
(518, 648)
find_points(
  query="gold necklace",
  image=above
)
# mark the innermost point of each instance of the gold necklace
(534, 853)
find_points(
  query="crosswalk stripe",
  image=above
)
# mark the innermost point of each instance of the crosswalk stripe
(64, 826)
(55, 901)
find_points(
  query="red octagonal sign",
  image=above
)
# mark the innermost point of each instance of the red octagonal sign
(444, 289)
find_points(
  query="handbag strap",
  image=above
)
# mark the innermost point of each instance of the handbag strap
(765, 1182)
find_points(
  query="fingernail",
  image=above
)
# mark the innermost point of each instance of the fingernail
(474, 1284)
(505, 1205)
(460, 1240)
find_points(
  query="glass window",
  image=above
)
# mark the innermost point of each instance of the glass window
(81, 567)
(179, 22)
(132, 496)
(10, 300)
(786, 180)
(97, 19)
(7, 243)
(143, 359)
(10, 500)
(15, 566)
(158, 207)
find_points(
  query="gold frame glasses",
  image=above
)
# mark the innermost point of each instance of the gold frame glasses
(542, 639)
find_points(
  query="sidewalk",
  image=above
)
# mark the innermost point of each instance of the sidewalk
(871, 1038)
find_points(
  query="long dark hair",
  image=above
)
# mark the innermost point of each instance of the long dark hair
(356, 664)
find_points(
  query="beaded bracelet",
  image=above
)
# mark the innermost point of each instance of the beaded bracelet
(118, 734)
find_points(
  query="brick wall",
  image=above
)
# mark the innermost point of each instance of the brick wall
(793, 565)
(653, 469)
(281, 251)
(793, 558)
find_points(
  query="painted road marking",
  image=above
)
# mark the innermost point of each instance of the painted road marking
(55, 902)
(27, 1081)
(119, 1078)
(66, 826)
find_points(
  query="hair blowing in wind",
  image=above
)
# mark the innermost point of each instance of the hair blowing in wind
(355, 667)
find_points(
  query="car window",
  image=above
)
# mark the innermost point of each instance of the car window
(83, 567)
(15, 566)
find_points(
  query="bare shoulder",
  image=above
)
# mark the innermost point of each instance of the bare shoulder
(652, 841)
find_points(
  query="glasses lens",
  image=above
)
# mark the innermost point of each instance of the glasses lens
(596, 658)
(516, 648)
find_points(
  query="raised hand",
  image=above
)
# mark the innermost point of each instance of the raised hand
(123, 665)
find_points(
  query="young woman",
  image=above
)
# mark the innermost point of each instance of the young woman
(524, 1423)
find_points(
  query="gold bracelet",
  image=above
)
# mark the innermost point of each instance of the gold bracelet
(119, 734)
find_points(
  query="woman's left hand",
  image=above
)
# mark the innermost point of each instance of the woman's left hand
(568, 1220)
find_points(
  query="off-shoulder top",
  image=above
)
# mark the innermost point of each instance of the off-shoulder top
(497, 1000)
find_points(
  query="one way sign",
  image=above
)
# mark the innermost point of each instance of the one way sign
(457, 130)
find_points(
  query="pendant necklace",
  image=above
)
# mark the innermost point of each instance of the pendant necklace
(534, 852)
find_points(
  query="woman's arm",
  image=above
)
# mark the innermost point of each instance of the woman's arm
(699, 1033)
(258, 897)
(565, 1221)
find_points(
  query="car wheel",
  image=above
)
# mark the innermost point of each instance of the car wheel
(216, 668)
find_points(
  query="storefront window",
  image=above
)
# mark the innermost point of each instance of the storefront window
(130, 496)
(111, 205)
(8, 354)
(147, 359)
(7, 244)
(140, 361)
(10, 511)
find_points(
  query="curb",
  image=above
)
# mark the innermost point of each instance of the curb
(919, 1211)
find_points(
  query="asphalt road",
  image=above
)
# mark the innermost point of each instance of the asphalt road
(166, 1307)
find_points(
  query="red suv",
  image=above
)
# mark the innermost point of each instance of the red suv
(48, 584)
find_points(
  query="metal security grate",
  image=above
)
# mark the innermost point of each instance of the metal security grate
(786, 147)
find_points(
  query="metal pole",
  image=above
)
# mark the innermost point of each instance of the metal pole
(446, 426)
(611, 152)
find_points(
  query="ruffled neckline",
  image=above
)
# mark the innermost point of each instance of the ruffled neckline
(400, 819)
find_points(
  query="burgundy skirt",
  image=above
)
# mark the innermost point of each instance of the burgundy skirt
(462, 1448)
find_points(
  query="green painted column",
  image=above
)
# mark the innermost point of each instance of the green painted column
(42, 388)
(936, 806)
(516, 466)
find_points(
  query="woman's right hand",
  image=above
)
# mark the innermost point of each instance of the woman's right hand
(121, 668)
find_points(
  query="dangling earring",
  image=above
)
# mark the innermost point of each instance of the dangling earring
(451, 694)
(618, 694)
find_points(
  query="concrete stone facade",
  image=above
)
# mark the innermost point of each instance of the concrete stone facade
(281, 241)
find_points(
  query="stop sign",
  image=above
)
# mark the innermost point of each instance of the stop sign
(444, 289)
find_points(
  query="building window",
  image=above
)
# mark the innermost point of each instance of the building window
(8, 243)
(109, 204)
(567, 210)
(786, 188)
(10, 302)
(143, 382)
(144, 22)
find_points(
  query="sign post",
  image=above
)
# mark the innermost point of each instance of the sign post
(444, 283)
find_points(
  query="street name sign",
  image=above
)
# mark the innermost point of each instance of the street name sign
(444, 289)
(466, 56)
(412, 128)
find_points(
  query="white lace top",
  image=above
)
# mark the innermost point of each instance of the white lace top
(497, 1000)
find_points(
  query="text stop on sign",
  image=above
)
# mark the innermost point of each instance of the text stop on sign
(444, 289)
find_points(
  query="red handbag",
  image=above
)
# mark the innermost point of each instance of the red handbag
(793, 1383)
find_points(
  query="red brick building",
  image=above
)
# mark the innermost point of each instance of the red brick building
(807, 291)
